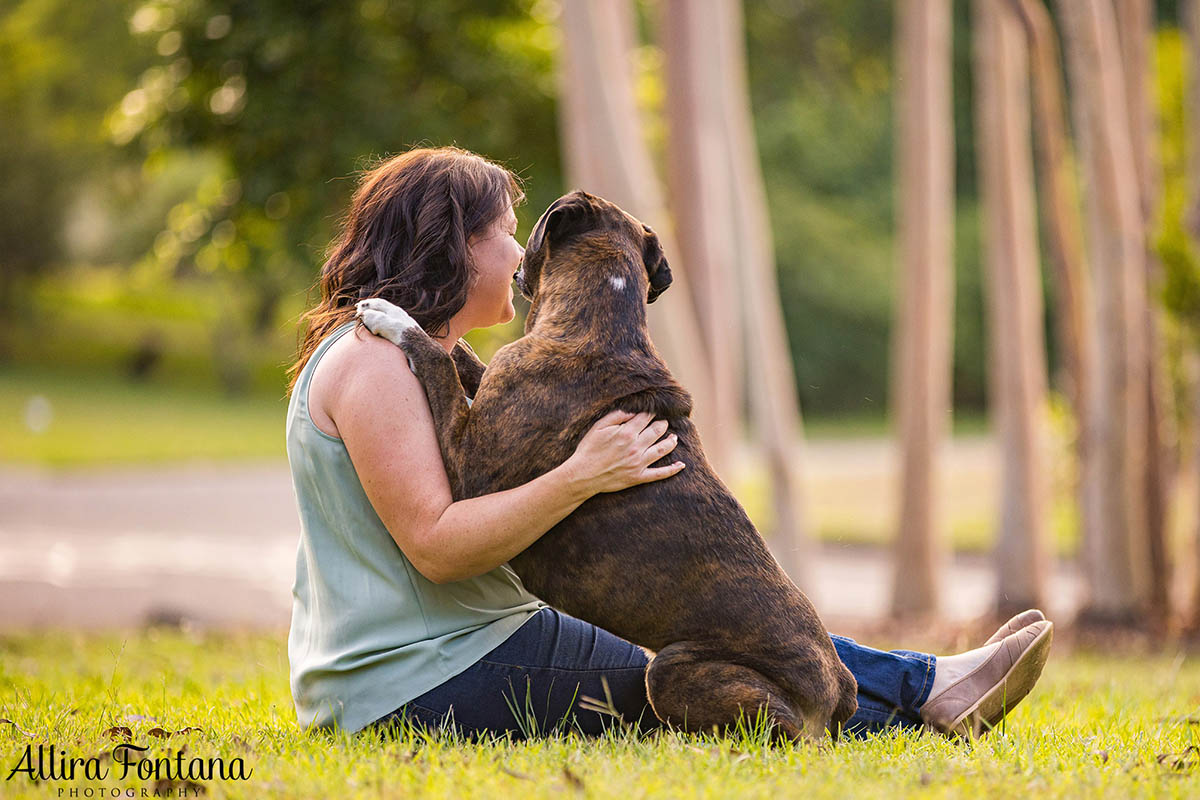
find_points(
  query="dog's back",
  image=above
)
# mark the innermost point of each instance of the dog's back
(670, 561)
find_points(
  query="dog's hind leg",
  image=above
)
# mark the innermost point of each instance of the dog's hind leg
(435, 369)
(689, 692)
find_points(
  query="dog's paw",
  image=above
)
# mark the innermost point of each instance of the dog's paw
(384, 319)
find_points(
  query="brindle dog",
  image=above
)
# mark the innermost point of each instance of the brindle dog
(674, 565)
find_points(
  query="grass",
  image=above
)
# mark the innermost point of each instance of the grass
(1097, 727)
(57, 418)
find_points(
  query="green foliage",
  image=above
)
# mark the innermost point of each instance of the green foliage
(1095, 727)
(1174, 243)
(52, 100)
(821, 78)
(292, 98)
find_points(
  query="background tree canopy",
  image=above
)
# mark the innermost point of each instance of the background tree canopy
(202, 144)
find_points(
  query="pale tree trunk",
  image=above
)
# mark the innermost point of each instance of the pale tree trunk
(1059, 204)
(1114, 509)
(701, 207)
(925, 297)
(1016, 346)
(1190, 13)
(607, 155)
(775, 406)
(1135, 24)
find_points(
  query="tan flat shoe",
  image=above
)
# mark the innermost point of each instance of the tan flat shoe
(977, 702)
(1024, 619)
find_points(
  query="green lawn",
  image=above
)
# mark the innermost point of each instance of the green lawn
(1096, 727)
(62, 419)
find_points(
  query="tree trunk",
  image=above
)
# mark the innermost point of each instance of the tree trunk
(1016, 346)
(1135, 24)
(1059, 205)
(925, 299)
(1114, 508)
(701, 207)
(775, 407)
(607, 155)
(1190, 13)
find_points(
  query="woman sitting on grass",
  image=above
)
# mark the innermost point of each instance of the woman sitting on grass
(404, 604)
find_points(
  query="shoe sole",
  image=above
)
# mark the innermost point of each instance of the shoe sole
(987, 712)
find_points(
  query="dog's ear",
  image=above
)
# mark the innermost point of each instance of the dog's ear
(657, 269)
(568, 215)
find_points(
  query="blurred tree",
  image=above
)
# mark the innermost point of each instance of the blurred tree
(1016, 346)
(1180, 230)
(1114, 507)
(702, 206)
(52, 102)
(924, 305)
(607, 153)
(826, 135)
(719, 207)
(1135, 26)
(293, 96)
(1059, 201)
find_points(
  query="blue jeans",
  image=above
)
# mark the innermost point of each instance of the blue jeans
(532, 683)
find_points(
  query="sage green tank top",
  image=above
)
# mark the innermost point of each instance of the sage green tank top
(369, 632)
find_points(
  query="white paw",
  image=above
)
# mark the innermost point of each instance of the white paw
(384, 319)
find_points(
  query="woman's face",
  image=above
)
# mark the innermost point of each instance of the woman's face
(496, 256)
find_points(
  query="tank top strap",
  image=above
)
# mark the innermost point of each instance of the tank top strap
(300, 392)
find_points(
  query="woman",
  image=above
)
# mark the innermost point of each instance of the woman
(404, 605)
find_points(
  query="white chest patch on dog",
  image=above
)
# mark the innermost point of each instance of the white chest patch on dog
(617, 282)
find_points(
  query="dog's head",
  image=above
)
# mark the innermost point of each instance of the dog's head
(579, 218)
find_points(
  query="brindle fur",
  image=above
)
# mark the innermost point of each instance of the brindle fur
(674, 565)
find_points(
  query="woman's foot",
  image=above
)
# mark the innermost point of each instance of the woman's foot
(973, 691)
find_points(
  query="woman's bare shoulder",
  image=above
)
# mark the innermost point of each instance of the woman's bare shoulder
(359, 365)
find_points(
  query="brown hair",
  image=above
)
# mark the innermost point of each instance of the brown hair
(404, 239)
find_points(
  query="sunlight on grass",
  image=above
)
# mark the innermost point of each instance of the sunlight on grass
(1095, 727)
(58, 419)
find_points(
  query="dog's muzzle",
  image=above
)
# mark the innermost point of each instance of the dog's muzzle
(519, 279)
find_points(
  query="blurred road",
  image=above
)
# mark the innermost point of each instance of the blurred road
(216, 545)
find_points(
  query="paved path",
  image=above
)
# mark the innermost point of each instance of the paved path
(216, 545)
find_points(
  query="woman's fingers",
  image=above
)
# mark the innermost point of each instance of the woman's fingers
(651, 433)
(614, 417)
(661, 448)
(658, 473)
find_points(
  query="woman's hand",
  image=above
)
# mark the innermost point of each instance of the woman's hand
(617, 452)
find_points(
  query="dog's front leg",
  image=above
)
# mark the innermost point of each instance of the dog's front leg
(470, 368)
(435, 369)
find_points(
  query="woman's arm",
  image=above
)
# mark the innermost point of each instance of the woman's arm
(381, 413)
